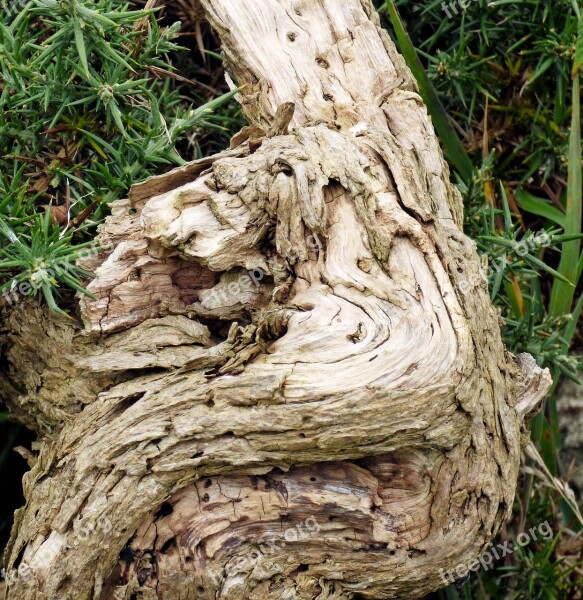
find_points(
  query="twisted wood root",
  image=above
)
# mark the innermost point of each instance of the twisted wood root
(291, 381)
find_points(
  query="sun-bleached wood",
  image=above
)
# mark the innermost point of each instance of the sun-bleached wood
(354, 388)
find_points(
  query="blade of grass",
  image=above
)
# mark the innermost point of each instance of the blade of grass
(562, 293)
(578, 62)
(80, 43)
(539, 207)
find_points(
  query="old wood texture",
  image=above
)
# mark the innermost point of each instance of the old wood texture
(291, 383)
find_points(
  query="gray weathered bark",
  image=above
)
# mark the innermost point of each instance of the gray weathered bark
(343, 424)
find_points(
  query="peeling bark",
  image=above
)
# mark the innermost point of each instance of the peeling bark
(353, 388)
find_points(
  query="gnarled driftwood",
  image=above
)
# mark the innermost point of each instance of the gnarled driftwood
(291, 383)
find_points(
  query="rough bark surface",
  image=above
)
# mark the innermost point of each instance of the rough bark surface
(343, 423)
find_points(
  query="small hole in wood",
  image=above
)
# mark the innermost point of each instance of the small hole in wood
(291, 36)
(164, 510)
(169, 544)
(127, 555)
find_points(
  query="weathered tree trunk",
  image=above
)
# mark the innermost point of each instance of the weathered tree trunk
(343, 423)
